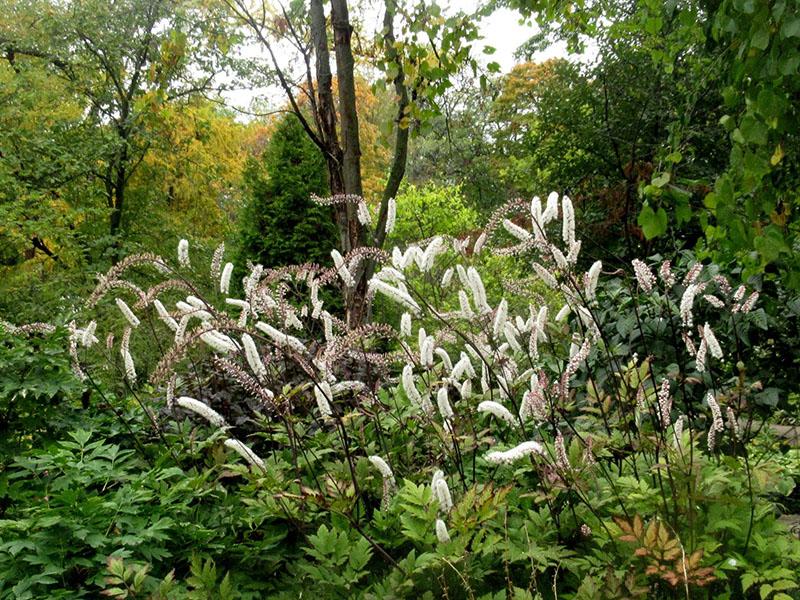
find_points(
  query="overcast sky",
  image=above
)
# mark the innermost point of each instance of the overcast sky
(502, 30)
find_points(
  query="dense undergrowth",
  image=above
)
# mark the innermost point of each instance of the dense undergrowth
(514, 423)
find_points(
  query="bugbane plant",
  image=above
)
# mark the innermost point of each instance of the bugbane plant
(531, 388)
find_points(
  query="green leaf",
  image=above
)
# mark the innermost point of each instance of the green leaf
(682, 210)
(760, 39)
(653, 223)
(661, 180)
(770, 244)
(791, 28)
(674, 157)
(753, 130)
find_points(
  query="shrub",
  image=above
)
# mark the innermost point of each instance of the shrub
(595, 443)
(280, 225)
(38, 390)
(429, 210)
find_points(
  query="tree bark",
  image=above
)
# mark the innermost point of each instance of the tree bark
(400, 158)
(348, 115)
(326, 117)
(345, 65)
(356, 298)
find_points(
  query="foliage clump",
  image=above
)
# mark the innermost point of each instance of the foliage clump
(598, 440)
(279, 224)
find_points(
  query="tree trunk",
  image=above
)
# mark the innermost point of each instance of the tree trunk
(345, 65)
(356, 298)
(326, 117)
(398, 168)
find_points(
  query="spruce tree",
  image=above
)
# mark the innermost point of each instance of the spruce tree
(280, 225)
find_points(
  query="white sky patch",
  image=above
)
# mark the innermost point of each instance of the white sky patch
(503, 30)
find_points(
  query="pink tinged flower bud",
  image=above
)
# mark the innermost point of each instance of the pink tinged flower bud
(183, 254)
(441, 532)
(723, 283)
(562, 460)
(341, 269)
(253, 358)
(127, 313)
(733, 424)
(717, 425)
(750, 303)
(664, 404)
(665, 272)
(246, 453)
(479, 243)
(225, 278)
(700, 357)
(478, 291)
(551, 208)
(383, 468)
(592, 278)
(568, 221)
(323, 396)
(405, 325)
(693, 274)
(644, 277)
(690, 348)
(516, 231)
(396, 294)
(363, 213)
(713, 301)
(463, 301)
(500, 316)
(687, 303)
(496, 409)
(677, 431)
(443, 495)
(545, 276)
(711, 341)
(203, 410)
(391, 215)
(445, 410)
(514, 454)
